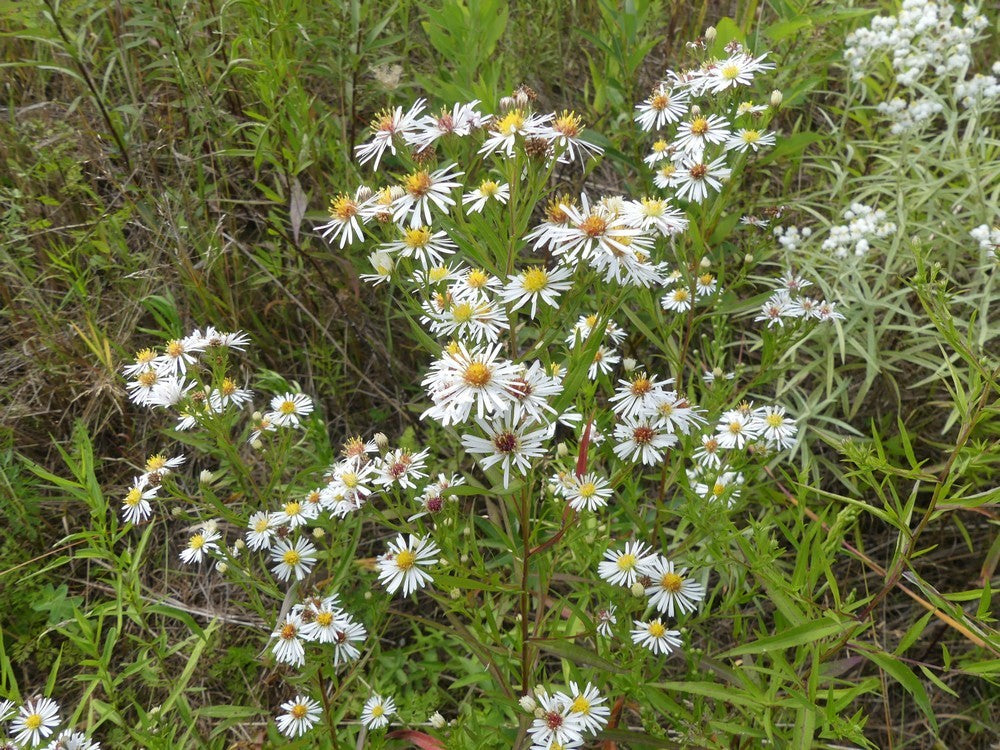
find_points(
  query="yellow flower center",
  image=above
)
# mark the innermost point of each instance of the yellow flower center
(652, 206)
(293, 509)
(729, 72)
(343, 208)
(680, 295)
(750, 136)
(417, 237)
(196, 542)
(418, 184)
(228, 387)
(588, 490)
(488, 187)
(591, 320)
(175, 348)
(580, 705)
(699, 126)
(656, 629)
(299, 711)
(594, 226)
(671, 582)
(378, 710)
(291, 557)
(145, 356)
(287, 407)
(660, 101)
(148, 378)
(718, 488)
(437, 273)
(641, 386)
(660, 146)
(535, 280)
(667, 170)
(156, 462)
(511, 123)
(405, 560)
(774, 420)
(349, 479)
(554, 214)
(262, 525)
(288, 632)
(324, 619)
(736, 427)
(462, 312)
(568, 123)
(626, 561)
(33, 722)
(133, 497)
(477, 278)
(706, 279)
(477, 374)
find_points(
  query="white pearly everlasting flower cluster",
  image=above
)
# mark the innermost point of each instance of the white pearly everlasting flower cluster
(988, 238)
(862, 223)
(930, 58)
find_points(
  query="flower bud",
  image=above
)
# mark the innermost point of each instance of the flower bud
(256, 416)
(318, 533)
(695, 110)
(381, 441)
(629, 364)
(437, 721)
(363, 193)
(205, 477)
(562, 450)
(257, 444)
(528, 703)
(637, 589)
(222, 567)
(710, 34)
(455, 593)
(776, 98)
(748, 258)
(464, 559)
(368, 596)
(706, 262)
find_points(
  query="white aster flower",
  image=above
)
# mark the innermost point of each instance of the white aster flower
(300, 715)
(200, 544)
(421, 244)
(670, 589)
(288, 409)
(643, 438)
(776, 427)
(178, 354)
(288, 648)
(135, 505)
(400, 467)
(746, 139)
(697, 178)
(262, 528)
(421, 190)
(605, 619)
(347, 215)
(621, 567)
(655, 636)
(557, 725)
(536, 283)
(35, 720)
(587, 705)
(489, 190)
(662, 107)
(508, 442)
(735, 428)
(464, 378)
(400, 567)
(590, 491)
(637, 395)
(386, 126)
(377, 711)
(289, 558)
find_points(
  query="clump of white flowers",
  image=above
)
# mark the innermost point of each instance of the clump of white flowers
(930, 59)
(989, 240)
(861, 225)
